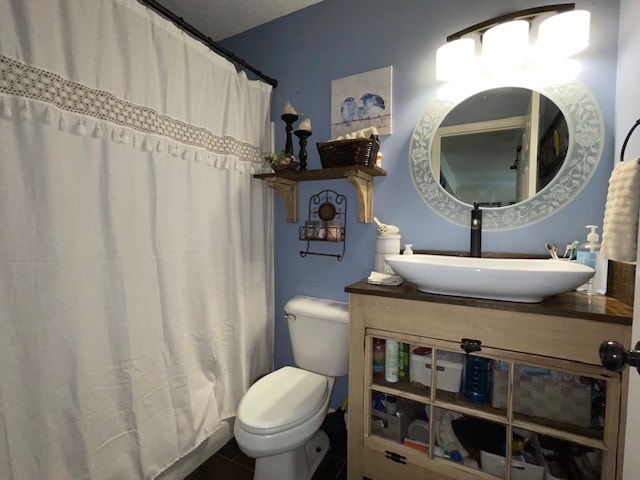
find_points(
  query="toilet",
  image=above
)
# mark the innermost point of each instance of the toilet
(279, 418)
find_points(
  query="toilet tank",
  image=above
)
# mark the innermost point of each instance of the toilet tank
(319, 332)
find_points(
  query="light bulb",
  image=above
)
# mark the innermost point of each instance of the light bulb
(506, 44)
(455, 59)
(563, 35)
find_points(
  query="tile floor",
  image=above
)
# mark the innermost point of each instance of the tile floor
(229, 463)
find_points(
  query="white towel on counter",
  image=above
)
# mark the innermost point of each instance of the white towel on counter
(620, 226)
(377, 278)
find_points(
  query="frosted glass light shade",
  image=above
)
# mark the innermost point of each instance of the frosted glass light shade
(455, 59)
(565, 34)
(506, 44)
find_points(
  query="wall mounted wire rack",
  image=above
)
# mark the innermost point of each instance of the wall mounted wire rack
(326, 224)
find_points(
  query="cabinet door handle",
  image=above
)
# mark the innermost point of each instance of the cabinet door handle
(470, 345)
(395, 457)
(614, 356)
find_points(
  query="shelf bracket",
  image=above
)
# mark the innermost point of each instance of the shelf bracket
(288, 191)
(363, 185)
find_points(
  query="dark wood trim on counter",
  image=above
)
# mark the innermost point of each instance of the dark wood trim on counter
(570, 304)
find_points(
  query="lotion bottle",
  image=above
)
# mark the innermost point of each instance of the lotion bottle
(589, 255)
(378, 358)
(391, 361)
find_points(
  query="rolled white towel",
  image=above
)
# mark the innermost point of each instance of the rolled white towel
(620, 226)
(363, 133)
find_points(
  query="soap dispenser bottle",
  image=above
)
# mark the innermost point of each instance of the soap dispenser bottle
(589, 255)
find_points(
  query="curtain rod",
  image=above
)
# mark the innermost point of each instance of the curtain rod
(216, 47)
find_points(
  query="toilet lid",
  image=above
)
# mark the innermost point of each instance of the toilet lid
(282, 400)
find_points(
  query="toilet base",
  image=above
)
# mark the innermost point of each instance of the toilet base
(297, 464)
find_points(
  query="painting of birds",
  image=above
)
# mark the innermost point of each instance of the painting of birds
(360, 101)
(373, 105)
(349, 110)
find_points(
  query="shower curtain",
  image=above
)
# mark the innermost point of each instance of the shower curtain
(136, 264)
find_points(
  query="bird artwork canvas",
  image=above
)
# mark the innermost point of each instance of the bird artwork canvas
(362, 101)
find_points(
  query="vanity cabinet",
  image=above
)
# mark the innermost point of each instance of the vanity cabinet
(548, 389)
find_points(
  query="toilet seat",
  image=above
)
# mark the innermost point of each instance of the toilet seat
(282, 400)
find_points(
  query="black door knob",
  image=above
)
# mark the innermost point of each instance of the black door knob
(613, 356)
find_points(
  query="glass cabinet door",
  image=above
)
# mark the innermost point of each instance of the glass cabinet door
(466, 381)
(391, 367)
(554, 398)
(487, 412)
(400, 420)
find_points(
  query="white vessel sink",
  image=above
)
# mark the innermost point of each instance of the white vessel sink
(513, 280)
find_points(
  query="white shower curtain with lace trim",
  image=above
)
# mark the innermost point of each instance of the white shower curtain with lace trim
(136, 264)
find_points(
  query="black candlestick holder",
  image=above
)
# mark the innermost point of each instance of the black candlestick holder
(289, 118)
(303, 135)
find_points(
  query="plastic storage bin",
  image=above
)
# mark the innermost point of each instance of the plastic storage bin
(448, 376)
(520, 470)
(496, 465)
(544, 397)
(387, 426)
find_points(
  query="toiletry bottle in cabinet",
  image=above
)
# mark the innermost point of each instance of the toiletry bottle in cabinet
(476, 384)
(378, 358)
(403, 362)
(391, 361)
(589, 255)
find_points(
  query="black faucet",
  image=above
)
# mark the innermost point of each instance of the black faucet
(476, 231)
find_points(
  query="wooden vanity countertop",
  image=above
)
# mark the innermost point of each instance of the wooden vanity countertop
(569, 304)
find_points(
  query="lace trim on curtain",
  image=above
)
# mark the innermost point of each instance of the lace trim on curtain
(22, 80)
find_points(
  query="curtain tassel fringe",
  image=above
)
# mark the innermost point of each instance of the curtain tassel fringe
(146, 145)
(47, 117)
(24, 112)
(124, 136)
(81, 129)
(5, 109)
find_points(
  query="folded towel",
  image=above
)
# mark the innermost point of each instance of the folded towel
(377, 278)
(363, 133)
(620, 226)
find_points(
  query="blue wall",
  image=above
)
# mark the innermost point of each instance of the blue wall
(306, 50)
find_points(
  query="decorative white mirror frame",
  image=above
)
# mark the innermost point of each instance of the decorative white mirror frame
(586, 140)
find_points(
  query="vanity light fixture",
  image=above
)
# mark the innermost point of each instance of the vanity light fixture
(455, 59)
(553, 39)
(506, 44)
(522, 40)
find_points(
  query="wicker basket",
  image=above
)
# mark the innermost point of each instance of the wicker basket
(342, 153)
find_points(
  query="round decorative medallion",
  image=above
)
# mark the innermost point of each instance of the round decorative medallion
(326, 211)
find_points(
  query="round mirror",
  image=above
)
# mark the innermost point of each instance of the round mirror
(522, 153)
(499, 147)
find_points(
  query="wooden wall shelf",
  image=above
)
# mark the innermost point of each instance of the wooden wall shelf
(360, 176)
